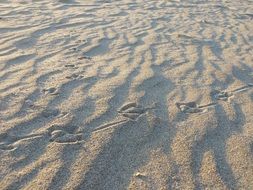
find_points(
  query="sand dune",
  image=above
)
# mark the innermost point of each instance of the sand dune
(126, 94)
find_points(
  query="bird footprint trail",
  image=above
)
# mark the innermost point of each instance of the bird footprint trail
(227, 95)
(193, 107)
(7, 141)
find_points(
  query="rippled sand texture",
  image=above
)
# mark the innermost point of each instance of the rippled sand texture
(126, 94)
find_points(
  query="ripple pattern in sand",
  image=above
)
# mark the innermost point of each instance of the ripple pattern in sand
(127, 94)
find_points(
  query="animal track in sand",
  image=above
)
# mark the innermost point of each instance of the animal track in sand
(61, 136)
(245, 16)
(6, 147)
(7, 141)
(109, 125)
(52, 91)
(29, 103)
(74, 76)
(132, 110)
(184, 36)
(50, 113)
(222, 95)
(70, 65)
(85, 57)
(64, 134)
(206, 21)
(193, 107)
(55, 134)
(227, 95)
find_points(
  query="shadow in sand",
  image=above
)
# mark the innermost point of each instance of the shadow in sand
(127, 150)
(215, 139)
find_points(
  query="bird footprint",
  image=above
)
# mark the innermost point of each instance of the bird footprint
(227, 95)
(222, 95)
(74, 76)
(132, 110)
(193, 107)
(61, 136)
(189, 107)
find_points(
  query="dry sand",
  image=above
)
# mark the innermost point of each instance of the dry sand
(126, 94)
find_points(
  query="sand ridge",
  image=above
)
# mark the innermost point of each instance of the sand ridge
(127, 94)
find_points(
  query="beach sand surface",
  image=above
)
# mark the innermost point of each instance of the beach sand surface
(126, 94)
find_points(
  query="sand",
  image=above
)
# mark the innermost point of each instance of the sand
(126, 94)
